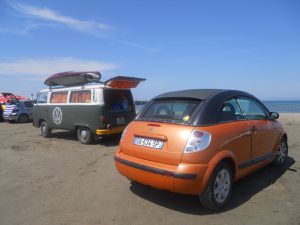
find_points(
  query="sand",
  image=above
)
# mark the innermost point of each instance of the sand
(58, 181)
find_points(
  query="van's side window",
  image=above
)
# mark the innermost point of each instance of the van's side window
(42, 98)
(83, 96)
(59, 97)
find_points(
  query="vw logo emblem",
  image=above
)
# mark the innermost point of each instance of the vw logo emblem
(57, 115)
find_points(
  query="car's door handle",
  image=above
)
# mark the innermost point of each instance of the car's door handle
(253, 129)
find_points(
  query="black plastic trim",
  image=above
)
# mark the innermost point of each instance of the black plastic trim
(188, 176)
(255, 161)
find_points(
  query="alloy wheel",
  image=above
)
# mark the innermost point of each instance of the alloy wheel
(282, 152)
(222, 186)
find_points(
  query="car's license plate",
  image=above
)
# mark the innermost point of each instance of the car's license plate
(148, 142)
(120, 120)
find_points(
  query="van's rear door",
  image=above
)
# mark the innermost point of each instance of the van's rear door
(118, 107)
(123, 82)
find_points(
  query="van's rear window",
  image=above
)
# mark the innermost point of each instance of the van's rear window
(171, 110)
(118, 100)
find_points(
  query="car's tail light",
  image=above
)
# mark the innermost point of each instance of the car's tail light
(198, 141)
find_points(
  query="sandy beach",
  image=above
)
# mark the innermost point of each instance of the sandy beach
(58, 181)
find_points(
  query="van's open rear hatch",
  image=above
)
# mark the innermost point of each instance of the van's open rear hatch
(123, 82)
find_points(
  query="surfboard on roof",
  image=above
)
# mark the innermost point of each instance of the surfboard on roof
(71, 78)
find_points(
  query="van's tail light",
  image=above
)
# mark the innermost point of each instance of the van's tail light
(198, 141)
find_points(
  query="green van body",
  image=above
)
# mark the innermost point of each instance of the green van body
(95, 115)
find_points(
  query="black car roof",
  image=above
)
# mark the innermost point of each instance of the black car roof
(212, 99)
(191, 93)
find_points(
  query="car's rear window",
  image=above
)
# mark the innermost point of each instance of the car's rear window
(178, 111)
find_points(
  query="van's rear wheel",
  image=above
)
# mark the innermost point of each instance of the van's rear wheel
(219, 188)
(45, 130)
(84, 135)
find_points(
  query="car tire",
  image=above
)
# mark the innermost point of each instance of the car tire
(23, 118)
(282, 153)
(84, 135)
(219, 188)
(45, 130)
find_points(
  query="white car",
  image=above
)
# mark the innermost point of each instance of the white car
(21, 111)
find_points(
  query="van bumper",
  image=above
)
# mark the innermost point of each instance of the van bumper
(183, 178)
(115, 130)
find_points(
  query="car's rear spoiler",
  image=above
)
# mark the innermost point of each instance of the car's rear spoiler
(123, 82)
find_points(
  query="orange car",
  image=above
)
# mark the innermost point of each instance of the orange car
(199, 141)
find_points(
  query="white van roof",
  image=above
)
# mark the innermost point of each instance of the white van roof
(80, 87)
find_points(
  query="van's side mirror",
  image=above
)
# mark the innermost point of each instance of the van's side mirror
(274, 116)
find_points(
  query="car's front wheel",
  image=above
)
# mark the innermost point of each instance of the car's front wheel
(84, 135)
(282, 153)
(219, 188)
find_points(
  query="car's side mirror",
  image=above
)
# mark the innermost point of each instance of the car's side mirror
(274, 116)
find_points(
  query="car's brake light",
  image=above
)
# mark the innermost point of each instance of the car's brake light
(198, 141)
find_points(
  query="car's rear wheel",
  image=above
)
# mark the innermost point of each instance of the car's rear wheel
(219, 188)
(23, 118)
(45, 130)
(84, 135)
(282, 153)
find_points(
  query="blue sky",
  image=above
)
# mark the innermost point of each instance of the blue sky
(175, 44)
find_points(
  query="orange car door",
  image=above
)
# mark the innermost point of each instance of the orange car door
(230, 119)
(263, 134)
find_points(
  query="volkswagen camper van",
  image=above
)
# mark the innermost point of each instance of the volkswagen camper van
(92, 110)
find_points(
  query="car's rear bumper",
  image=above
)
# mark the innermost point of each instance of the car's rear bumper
(182, 178)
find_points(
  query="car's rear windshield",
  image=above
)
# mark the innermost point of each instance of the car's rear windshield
(175, 111)
(118, 100)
